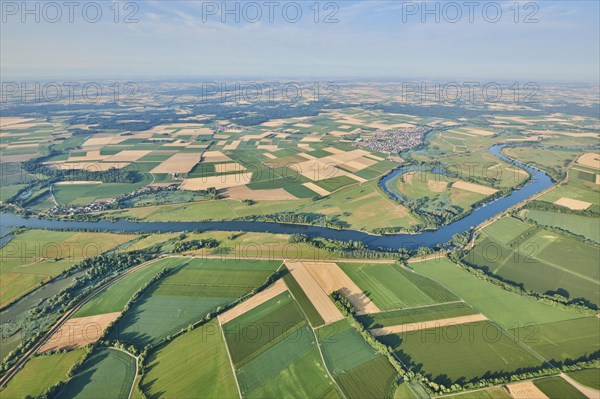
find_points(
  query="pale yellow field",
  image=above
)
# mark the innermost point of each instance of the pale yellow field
(7, 121)
(127, 155)
(475, 188)
(311, 139)
(322, 303)
(331, 277)
(79, 332)
(234, 144)
(479, 132)
(272, 123)
(66, 183)
(590, 159)
(573, 204)
(312, 186)
(525, 390)
(178, 163)
(424, 325)
(270, 292)
(214, 156)
(243, 192)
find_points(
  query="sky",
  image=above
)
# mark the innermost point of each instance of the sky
(371, 39)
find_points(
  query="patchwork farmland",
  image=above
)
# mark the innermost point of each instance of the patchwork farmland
(308, 285)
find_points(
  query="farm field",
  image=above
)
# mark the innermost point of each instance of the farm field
(41, 373)
(363, 207)
(558, 388)
(585, 226)
(461, 353)
(258, 246)
(416, 315)
(552, 159)
(469, 156)
(506, 308)
(108, 373)
(543, 261)
(115, 297)
(434, 191)
(590, 377)
(501, 315)
(192, 365)
(581, 186)
(564, 341)
(33, 257)
(282, 361)
(404, 392)
(489, 393)
(393, 287)
(188, 294)
(312, 314)
(358, 369)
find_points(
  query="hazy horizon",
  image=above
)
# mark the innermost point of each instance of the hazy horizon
(380, 40)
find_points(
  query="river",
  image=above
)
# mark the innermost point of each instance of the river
(539, 181)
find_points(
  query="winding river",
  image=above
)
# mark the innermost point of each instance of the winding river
(539, 181)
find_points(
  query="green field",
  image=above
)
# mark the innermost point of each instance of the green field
(416, 315)
(552, 159)
(40, 373)
(404, 392)
(275, 352)
(35, 256)
(358, 369)
(544, 261)
(590, 377)
(115, 297)
(393, 287)
(564, 341)
(461, 353)
(191, 366)
(187, 295)
(578, 187)
(290, 367)
(586, 226)
(558, 388)
(363, 207)
(433, 190)
(253, 332)
(343, 347)
(373, 379)
(109, 373)
(510, 310)
(85, 194)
